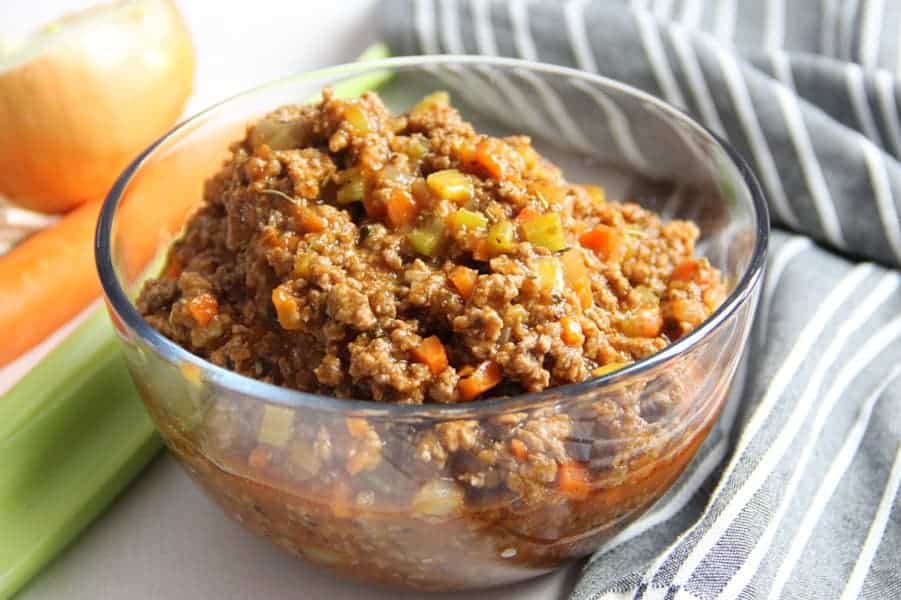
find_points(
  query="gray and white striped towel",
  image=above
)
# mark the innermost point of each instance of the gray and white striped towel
(802, 501)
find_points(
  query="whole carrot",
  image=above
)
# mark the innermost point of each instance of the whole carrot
(46, 280)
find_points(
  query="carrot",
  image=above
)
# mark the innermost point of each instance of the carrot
(519, 450)
(690, 270)
(203, 308)
(46, 280)
(486, 376)
(401, 209)
(572, 331)
(431, 353)
(572, 479)
(309, 222)
(487, 158)
(482, 251)
(464, 279)
(606, 242)
(527, 214)
(575, 273)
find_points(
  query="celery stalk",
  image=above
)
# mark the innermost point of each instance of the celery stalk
(74, 433)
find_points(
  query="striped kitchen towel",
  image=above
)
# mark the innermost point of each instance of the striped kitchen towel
(801, 500)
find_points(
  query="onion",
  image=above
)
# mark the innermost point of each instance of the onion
(83, 96)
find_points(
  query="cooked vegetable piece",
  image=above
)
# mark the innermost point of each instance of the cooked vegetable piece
(401, 209)
(687, 270)
(605, 241)
(571, 331)
(431, 353)
(469, 219)
(309, 222)
(488, 159)
(573, 480)
(464, 279)
(276, 426)
(550, 275)
(286, 308)
(501, 237)
(438, 498)
(519, 450)
(575, 273)
(597, 194)
(451, 185)
(357, 119)
(644, 322)
(486, 376)
(608, 368)
(203, 308)
(427, 239)
(430, 102)
(353, 188)
(527, 214)
(545, 230)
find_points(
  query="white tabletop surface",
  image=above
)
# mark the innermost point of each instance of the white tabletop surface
(162, 538)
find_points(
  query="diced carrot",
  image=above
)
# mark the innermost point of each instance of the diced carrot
(464, 279)
(373, 206)
(576, 275)
(309, 222)
(482, 250)
(401, 210)
(286, 308)
(572, 331)
(488, 160)
(173, 268)
(573, 480)
(259, 457)
(341, 499)
(203, 308)
(431, 353)
(357, 427)
(519, 450)
(686, 270)
(486, 376)
(606, 242)
(466, 370)
(527, 214)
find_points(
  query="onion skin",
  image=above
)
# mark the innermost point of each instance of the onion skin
(75, 115)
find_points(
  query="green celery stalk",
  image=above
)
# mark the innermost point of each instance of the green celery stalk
(74, 433)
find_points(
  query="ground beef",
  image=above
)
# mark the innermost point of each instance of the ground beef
(329, 247)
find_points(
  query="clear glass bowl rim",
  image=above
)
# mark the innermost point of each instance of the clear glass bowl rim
(118, 299)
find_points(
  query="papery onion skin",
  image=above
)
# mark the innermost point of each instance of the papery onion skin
(72, 117)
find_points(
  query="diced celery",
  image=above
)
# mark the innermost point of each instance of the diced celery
(276, 426)
(353, 189)
(357, 119)
(501, 237)
(547, 231)
(439, 98)
(608, 368)
(451, 185)
(469, 219)
(426, 240)
(550, 274)
(596, 193)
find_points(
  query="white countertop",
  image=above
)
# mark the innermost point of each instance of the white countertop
(163, 538)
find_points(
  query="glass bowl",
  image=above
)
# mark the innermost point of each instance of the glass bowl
(445, 507)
